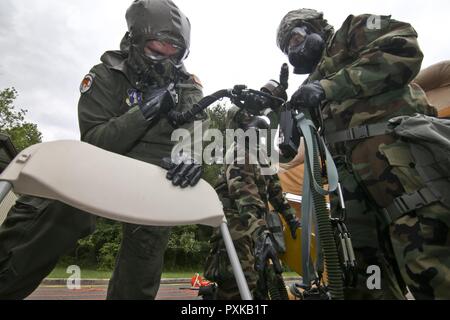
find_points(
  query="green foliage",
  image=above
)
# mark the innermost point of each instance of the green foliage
(217, 120)
(98, 250)
(24, 135)
(107, 255)
(217, 117)
(9, 117)
(186, 250)
(188, 247)
(12, 122)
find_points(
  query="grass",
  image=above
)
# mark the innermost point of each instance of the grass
(86, 273)
(60, 273)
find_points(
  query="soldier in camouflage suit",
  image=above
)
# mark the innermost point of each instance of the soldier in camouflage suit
(360, 75)
(245, 193)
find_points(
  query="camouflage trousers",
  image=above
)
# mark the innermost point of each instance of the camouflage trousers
(420, 239)
(371, 243)
(218, 267)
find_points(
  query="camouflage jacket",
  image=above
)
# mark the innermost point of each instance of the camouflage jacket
(366, 72)
(245, 192)
(109, 117)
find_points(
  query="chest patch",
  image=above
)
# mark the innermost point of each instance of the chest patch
(134, 97)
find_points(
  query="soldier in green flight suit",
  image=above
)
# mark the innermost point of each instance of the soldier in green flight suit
(122, 109)
(360, 76)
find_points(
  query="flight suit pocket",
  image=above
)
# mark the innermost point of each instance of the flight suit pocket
(145, 241)
(26, 211)
(17, 226)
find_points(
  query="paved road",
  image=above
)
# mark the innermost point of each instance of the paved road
(171, 289)
(98, 292)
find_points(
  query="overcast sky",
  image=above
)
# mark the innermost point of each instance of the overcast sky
(47, 46)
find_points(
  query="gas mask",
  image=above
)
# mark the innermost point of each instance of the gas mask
(305, 50)
(159, 40)
(157, 59)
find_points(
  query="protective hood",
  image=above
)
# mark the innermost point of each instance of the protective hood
(156, 20)
(302, 17)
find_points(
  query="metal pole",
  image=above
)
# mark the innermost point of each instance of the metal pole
(5, 188)
(235, 264)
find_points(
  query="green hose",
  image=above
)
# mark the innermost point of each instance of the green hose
(275, 285)
(326, 237)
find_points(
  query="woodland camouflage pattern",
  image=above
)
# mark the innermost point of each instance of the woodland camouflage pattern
(245, 194)
(366, 75)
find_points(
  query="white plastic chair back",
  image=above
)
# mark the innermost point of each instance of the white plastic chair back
(110, 185)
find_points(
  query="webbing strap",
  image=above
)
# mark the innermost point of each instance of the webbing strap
(409, 202)
(357, 133)
(307, 128)
(306, 220)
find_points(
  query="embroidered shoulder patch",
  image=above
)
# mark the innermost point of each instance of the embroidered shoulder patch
(87, 82)
(197, 80)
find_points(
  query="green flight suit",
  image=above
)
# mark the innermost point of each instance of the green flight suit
(37, 231)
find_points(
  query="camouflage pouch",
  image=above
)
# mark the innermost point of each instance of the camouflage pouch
(421, 160)
(429, 142)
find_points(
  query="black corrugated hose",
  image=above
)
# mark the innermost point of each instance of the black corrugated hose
(178, 119)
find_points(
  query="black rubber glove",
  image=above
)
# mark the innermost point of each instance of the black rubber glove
(265, 250)
(255, 104)
(186, 173)
(156, 102)
(309, 96)
(293, 224)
